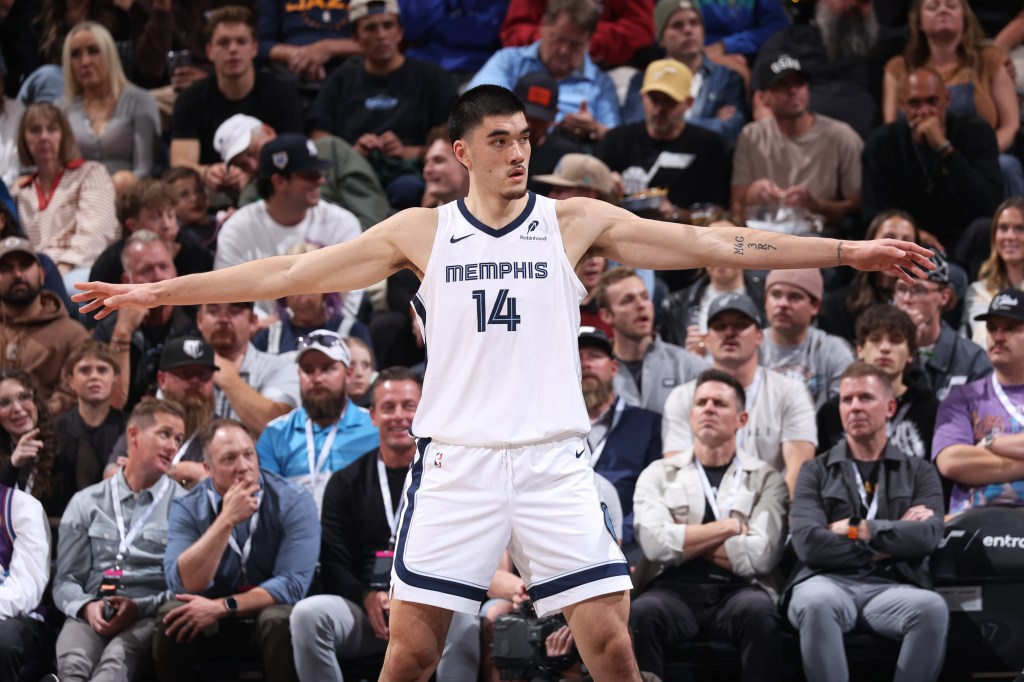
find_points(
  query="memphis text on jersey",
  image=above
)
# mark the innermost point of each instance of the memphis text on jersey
(472, 272)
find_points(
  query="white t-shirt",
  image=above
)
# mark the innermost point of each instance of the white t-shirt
(780, 412)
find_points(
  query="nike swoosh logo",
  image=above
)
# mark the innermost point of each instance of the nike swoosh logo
(453, 239)
(580, 453)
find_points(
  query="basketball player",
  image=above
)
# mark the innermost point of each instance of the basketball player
(501, 426)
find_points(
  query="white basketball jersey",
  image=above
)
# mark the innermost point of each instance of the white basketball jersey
(500, 314)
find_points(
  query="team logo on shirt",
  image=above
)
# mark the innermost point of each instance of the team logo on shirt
(437, 459)
(530, 228)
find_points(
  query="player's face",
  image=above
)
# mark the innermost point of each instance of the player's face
(563, 45)
(149, 262)
(888, 355)
(716, 415)
(733, 338)
(231, 458)
(446, 179)
(1005, 342)
(789, 309)
(92, 380)
(683, 34)
(497, 154)
(232, 49)
(394, 407)
(630, 310)
(865, 403)
(18, 413)
(153, 447)
(1009, 236)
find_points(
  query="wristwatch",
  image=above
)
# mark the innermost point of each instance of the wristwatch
(986, 442)
(853, 530)
(231, 604)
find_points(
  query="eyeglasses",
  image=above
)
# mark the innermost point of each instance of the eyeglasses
(25, 398)
(318, 340)
(915, 291)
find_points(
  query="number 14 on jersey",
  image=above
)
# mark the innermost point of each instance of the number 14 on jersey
(503, 312)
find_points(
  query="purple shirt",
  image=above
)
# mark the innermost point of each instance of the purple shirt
(968, 414)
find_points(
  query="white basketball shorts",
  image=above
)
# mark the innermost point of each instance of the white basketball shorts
(464, 505)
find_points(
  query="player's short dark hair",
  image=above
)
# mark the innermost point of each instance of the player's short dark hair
(859, 369)
(727, 379)
(394, 373)
(887, 319)
(475, 104)
(608, 278)
(229, 14)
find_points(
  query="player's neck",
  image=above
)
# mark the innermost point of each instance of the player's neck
(93, 414)
(867, 449)
(492, 210)
(396, 459)
(632, 349)
(715, 454)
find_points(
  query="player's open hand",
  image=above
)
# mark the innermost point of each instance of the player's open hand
(891, 256)
(106, 298)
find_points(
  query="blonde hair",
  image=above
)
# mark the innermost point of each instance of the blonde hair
(993, 271)
(108, 50)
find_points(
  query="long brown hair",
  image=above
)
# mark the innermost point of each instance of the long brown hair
(45, 483)
(971, 42)
(993, 271)
(863, 294)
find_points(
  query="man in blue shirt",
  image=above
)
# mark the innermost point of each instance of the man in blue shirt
(241, 550)
(587, 103)
(328, 432)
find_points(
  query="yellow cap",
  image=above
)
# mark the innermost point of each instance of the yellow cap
(668, 76)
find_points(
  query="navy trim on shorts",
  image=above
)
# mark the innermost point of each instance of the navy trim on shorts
(415, 579)
(567, 582)
(486, 229)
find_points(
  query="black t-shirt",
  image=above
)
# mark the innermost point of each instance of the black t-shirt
(396, 479)
(636, 370)
(409, 101)
(694, 167)
(192, 258)
(84, 449)
(201, 108)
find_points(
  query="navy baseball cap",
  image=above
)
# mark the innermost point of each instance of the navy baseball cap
(290, 153)
(592, 337)
(740, 303)
(1007, 303)
(539, 92)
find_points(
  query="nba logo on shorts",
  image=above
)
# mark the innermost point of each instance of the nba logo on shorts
(437, 459)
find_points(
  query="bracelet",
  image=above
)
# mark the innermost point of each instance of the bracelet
(120, 345)
(942, 147)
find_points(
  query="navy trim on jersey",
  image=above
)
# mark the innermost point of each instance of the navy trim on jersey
(588, 575)
(486, 229)
(415, 579)
(421, 310)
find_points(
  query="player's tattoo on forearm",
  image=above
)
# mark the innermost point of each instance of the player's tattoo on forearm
(761, 247)
(737, 247)
(839, 253)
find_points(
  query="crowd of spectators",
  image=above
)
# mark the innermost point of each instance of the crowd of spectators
(142, 140)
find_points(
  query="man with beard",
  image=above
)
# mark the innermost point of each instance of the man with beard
(328, 432)
(36, 333)
(251, 386)
(138, 337)
(843, 50)
(664, 151)
(623, 438)
(796, 157)
(654, 367)
(186, 377)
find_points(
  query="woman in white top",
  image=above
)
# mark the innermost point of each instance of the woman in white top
(10, 116)
(1003, 269)
(114, 122)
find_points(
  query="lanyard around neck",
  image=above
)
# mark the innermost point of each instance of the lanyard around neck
(873, 507)
(385, 492)
(246, 549)
(128, 537)
(318, 464)
(709, 492)
(1004, 399)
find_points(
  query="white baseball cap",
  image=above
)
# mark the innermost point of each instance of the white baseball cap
(234, 136)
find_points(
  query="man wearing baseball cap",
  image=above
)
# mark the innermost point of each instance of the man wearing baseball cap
(979, 425)
(539, 92)
(328, 432)
(384, 103)
(947, 358)
(781, 428)
(793, 346)
(796, 157)
(664, 152)
(719, 94)
(36, 334)
(290, 212)
(349, 180)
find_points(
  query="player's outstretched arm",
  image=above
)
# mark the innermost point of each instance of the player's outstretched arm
(355, 264)
(612, 232)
